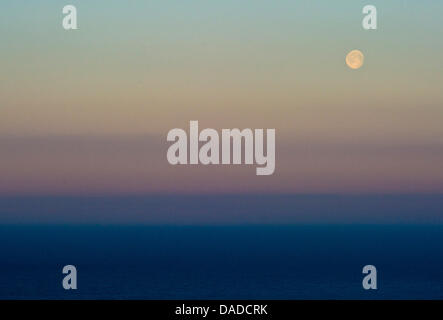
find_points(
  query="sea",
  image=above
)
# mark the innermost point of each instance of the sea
(308, 261)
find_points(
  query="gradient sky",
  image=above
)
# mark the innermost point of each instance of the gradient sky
(88, 111)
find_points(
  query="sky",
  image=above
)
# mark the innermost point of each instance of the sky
(87, 112)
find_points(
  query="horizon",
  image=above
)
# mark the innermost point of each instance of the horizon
(217, 209)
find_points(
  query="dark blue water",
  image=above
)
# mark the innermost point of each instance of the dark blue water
(243, 262)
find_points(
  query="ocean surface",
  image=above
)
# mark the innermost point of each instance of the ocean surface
(222, 262)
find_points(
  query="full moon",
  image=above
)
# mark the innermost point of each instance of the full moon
(354, 59)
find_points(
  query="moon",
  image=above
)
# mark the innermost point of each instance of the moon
(354, 59)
